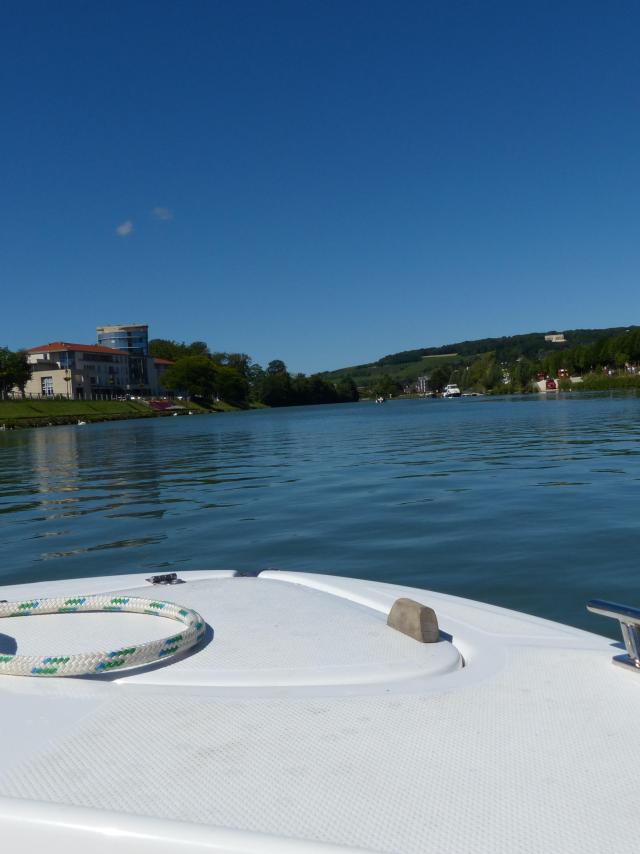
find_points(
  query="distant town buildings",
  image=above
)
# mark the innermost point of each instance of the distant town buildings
(422, 385)
(119, 365)
(556, 338)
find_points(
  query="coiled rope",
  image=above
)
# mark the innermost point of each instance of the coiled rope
(101, 662)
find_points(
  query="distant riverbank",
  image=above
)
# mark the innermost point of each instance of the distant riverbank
(49, 413)
(15, 414)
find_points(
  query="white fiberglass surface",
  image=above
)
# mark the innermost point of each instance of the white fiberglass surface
(260, 633)
(494, 757)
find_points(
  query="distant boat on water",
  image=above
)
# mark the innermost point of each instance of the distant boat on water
(451, 390)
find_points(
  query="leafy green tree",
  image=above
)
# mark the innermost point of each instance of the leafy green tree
(459, 376)
(386, 386)
(347, 390)
(165, 348)
(487, 374)
(521, 375)
(300, 390)
(241, 363)
(255, 378)
(581, 357)
(493, 377)
(439, 377)
(551, 363)
(277, 366)
(162, 348)
(320, 391)
(195, 375)
(15, 371)
(276, 389)
(621, 359)
(231, 386)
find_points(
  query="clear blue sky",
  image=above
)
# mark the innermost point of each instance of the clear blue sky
(322, 182)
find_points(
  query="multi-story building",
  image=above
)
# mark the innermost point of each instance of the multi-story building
(77, 371)
(118, 365)
(132, 339)
(422, 385)
(90, 371)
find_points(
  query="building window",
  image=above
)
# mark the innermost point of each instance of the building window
(46, 384)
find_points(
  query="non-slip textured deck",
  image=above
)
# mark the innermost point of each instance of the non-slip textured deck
(513, 768)
(537, 755)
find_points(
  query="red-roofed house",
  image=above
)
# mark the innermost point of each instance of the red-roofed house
(59, 346)
(77, 370)
(92, 371)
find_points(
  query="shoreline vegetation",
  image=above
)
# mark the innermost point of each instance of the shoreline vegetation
(201, 381)
(52, 413)
(601, 359)
(16, 414)
(204, 381)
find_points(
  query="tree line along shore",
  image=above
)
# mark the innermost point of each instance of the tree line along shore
(196, 381)
(601, 358)
(209, 381)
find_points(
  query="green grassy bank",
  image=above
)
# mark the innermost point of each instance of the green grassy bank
(45, 413)
(42, 413)
(603, 382)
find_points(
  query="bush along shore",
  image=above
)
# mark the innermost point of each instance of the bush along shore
(49, 413)
(606, 382)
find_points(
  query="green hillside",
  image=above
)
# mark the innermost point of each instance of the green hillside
(403, 372)
(407, 365)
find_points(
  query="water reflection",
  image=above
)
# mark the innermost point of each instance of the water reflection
(526, 503)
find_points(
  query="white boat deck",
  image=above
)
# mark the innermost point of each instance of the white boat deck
(304, 722)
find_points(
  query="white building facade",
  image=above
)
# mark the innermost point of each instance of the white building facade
(77, 371)
(90, 372)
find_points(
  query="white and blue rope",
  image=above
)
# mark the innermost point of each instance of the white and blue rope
(82, 664)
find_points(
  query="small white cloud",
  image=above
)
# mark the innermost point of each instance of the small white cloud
(162, 213)
(124, 228)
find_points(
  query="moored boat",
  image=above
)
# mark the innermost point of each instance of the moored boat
(451, 390)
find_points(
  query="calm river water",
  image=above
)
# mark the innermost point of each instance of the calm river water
(531, 503)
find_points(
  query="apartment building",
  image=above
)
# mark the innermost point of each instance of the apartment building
(132, 339)
(77, 371)
(91, 372)
(422, 385)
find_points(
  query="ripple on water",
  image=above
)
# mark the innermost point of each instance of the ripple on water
(443, 497)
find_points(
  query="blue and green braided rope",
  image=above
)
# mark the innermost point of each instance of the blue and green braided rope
(101, 662)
